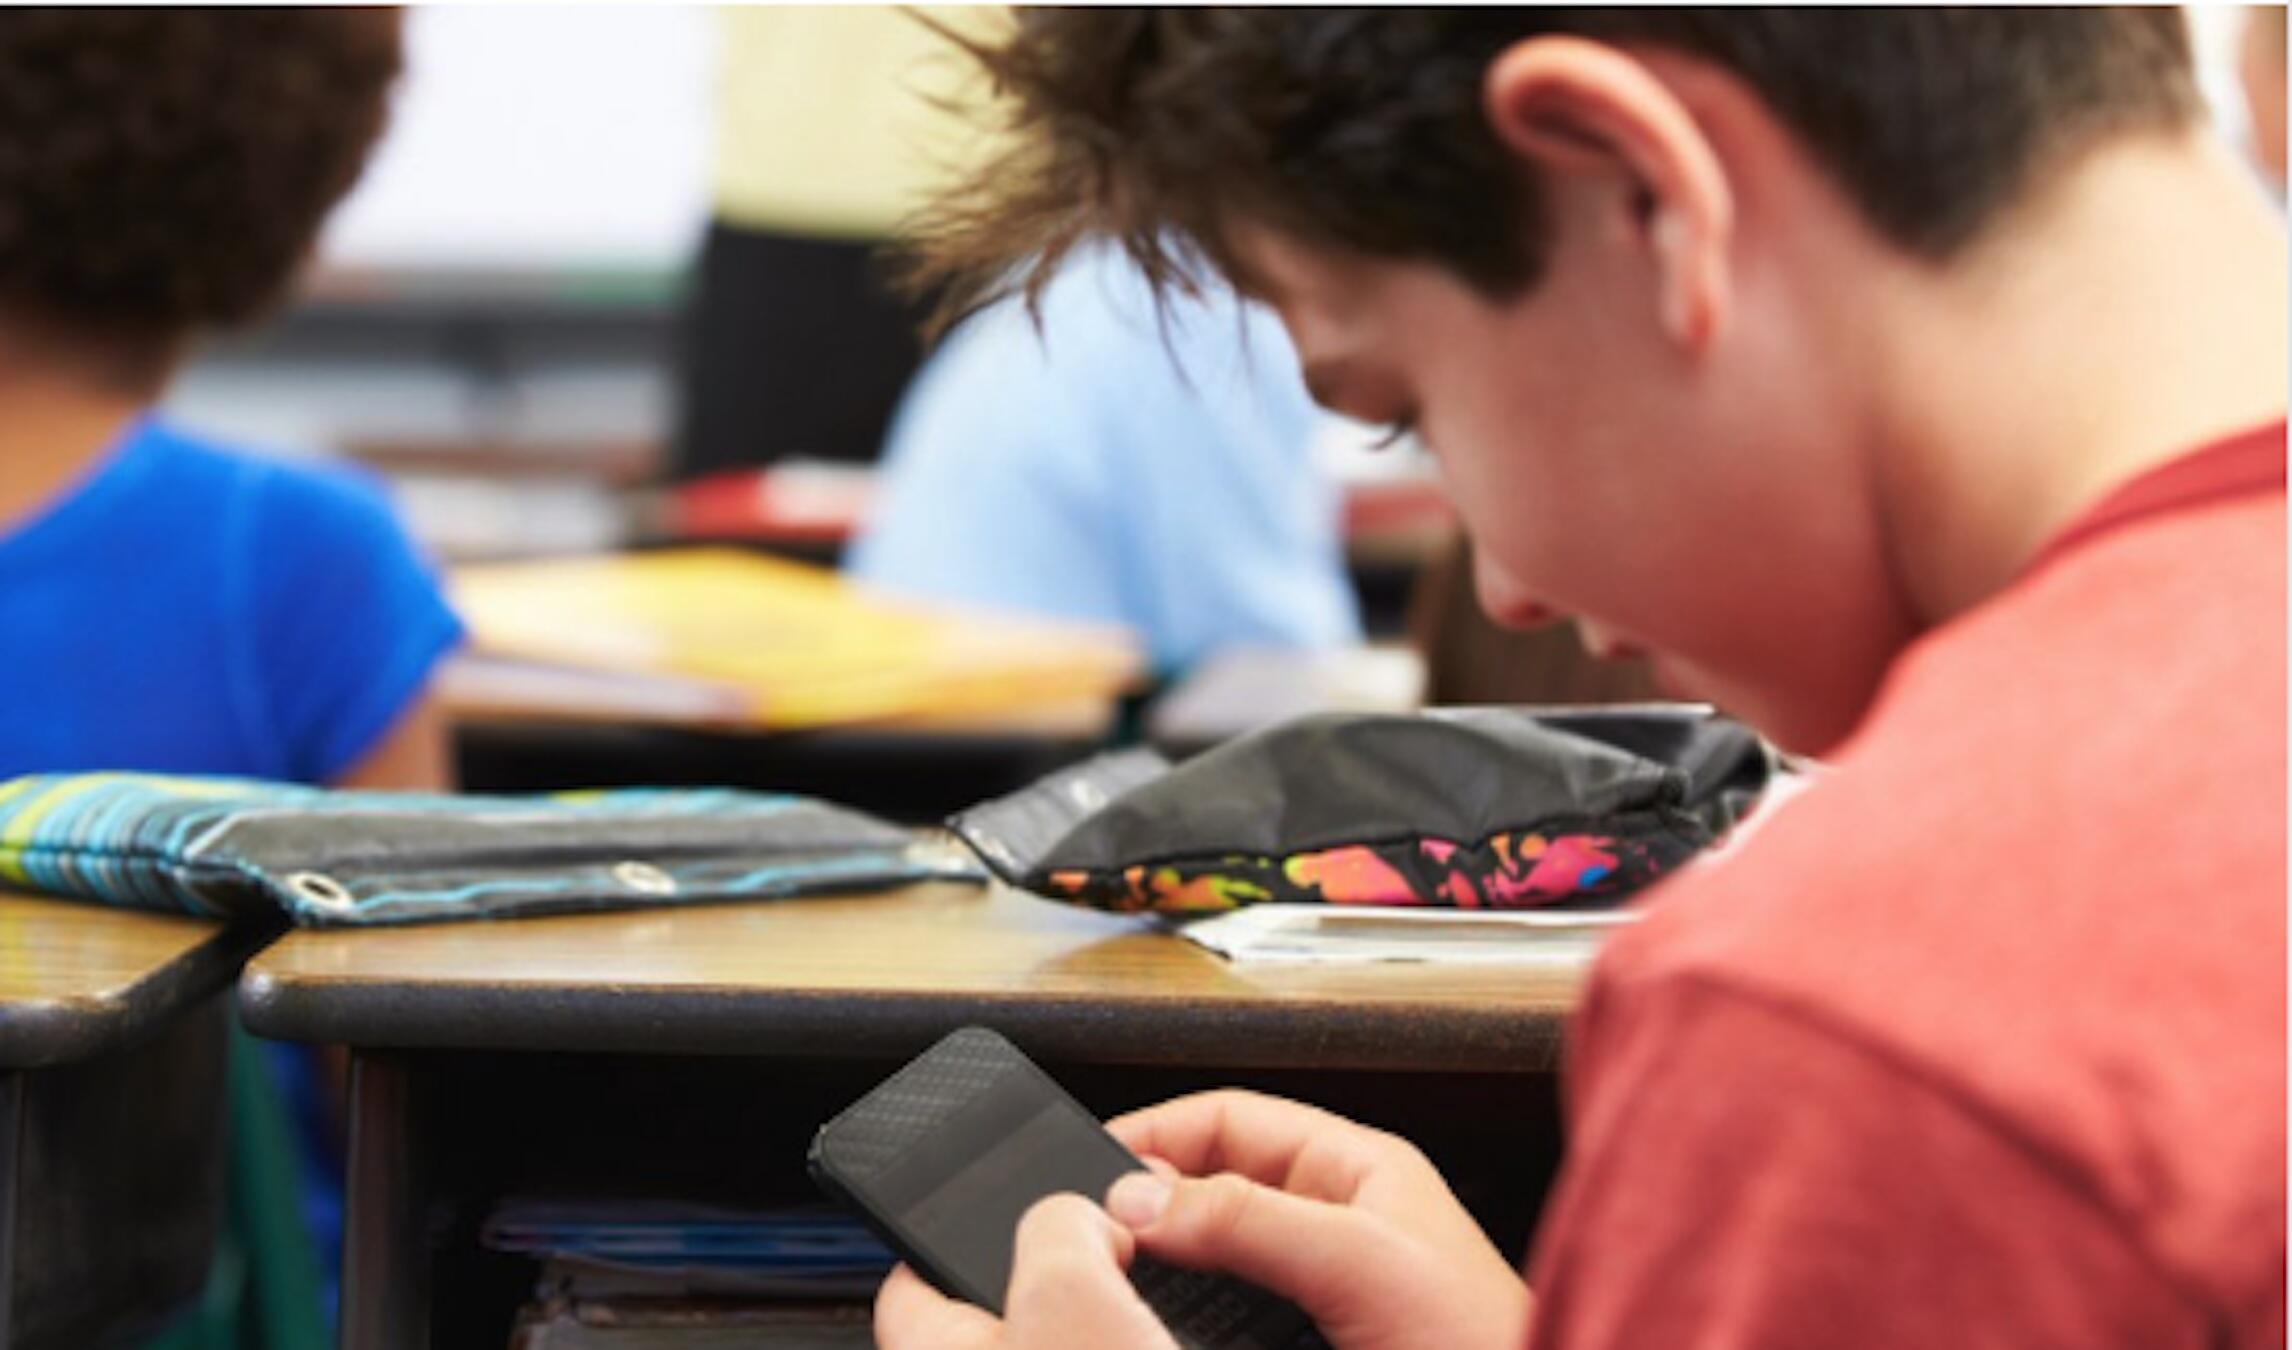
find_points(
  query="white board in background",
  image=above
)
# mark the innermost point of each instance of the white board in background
(539, 137)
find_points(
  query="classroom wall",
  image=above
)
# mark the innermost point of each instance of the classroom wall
(540, 136)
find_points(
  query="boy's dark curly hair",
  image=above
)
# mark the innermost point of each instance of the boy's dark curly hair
(164, 171)
(1363, 128)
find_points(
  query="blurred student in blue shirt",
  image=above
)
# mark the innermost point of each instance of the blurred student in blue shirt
(172, 605)
(1117, 466)
(168, 604)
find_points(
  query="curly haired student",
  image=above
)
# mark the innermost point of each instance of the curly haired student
(171, 604)
(1910, 382)
(168, 604)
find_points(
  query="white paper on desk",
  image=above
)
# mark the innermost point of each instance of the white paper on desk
(1358, 934)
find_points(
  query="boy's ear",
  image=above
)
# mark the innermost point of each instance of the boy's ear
(1574, 106)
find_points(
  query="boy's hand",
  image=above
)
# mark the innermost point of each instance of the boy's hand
(1353, 1225)
(1068, 1288)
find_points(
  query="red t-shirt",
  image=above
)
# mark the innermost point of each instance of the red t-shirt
(1981, 1041)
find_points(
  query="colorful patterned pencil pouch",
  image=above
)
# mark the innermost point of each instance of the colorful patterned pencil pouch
(235, 847)
(1471, 807)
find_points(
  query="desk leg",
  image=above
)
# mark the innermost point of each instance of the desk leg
(386, 1240)
(11, 1143)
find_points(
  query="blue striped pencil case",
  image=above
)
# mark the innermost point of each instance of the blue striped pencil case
(231, 848)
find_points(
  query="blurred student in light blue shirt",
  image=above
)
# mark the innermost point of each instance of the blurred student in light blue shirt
(1117, 467)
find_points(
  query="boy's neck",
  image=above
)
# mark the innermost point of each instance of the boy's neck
(2132, 313)
(54, 426)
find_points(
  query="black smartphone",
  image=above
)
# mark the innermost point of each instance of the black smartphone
(946, 1155)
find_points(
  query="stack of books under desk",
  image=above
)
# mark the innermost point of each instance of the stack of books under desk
(650, 1275)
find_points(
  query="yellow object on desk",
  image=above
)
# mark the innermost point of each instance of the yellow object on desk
(717, 635)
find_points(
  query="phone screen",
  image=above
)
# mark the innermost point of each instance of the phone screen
(972, 1213)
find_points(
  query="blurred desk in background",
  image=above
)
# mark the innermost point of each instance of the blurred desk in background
(772, 645)
(690, 1053)
(719, 667)
(810, 506)
(113, 1067)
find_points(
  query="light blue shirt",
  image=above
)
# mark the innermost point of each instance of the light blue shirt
(1114, 468)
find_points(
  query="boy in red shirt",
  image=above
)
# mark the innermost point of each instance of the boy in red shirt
(1909, 382)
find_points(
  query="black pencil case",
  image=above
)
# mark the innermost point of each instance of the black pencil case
(1468, 807)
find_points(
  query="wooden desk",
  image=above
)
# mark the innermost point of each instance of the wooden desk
(111, 1109)
(884, 975)
(692, 1052)
(78, 980)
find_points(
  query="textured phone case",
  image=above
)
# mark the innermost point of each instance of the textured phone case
(1203, 1311)
(873, 1132)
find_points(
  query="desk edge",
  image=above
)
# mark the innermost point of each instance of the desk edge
(39, 1032)
(812, 1024)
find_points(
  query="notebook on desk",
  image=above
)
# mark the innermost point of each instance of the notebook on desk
(1344, 935)
(733, 637)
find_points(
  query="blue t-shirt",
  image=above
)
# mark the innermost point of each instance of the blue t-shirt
(1119, 466)
(188, 610)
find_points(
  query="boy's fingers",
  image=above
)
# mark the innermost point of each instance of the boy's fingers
(1067, 1244)
(1069, 1282)
(1161, 1167)
(1269, 1140)
(911, 1315)
(1327, 1259)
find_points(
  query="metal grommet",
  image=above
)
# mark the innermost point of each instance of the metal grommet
(321, 889)
(645, 878)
